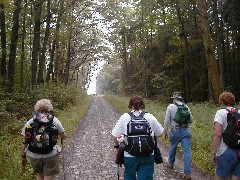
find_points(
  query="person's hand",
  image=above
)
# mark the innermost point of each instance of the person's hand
(166, 135)
(214, 158)
(24, 161)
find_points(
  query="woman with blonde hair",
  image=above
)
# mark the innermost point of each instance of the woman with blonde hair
(225, 158)
(40, 138)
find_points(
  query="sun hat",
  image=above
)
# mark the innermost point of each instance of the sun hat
(177, 95)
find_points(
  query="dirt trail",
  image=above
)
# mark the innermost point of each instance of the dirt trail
(89, 153)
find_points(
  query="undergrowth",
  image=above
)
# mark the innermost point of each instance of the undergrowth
(70, 105)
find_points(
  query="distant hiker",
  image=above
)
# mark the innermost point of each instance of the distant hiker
(139, 128)
(40, 138)
(226, 138)
(179, 117)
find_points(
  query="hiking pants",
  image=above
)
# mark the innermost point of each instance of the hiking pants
(184, 136)
(140, 168)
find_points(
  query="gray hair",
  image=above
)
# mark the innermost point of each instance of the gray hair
(43, 105)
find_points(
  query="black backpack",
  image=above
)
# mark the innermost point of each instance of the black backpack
(231, 135)
(182, 115)
(140, 139)
(41, 136)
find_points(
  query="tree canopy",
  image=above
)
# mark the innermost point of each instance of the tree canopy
(165, 46)
(150, 47)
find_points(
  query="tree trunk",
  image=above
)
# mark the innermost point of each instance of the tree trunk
(40, 79)
(23, 43)
(220, 50)
(235, 62)
(36, 40)
(66, 72)
(55, 42)
(124, 54)
(13, 45)
(3, 59)
(209, 52)
(57, 64)
(183, 35)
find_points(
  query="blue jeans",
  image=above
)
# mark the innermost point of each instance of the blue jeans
(228, 164)
(141, 168)
(184, 136)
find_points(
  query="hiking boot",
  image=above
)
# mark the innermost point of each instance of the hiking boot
(170, 166)
(185, 176)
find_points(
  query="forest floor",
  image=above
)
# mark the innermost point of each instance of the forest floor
(89, 154)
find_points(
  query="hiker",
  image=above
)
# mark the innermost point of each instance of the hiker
(179, 132)
(138, 158)
(39, 142)
(225, 158)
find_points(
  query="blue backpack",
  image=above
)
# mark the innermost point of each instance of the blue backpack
(140, 141)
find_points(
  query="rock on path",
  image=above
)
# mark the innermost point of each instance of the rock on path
(89, 153)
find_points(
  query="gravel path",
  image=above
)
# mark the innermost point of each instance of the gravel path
(89, 153)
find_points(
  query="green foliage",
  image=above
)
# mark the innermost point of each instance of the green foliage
(70, 103)
(202, 126)
(108, 79)
(119, 103)
(167, 85)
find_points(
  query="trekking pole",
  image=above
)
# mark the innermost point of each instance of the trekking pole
(63, 159)
(118, 171)
(120, 153)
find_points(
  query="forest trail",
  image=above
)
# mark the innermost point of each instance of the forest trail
(89, 153)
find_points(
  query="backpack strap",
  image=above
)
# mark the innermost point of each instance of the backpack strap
(134, 117)
(176, 104)
(179, 104)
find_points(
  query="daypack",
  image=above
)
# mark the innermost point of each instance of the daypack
(182, 115)
(41, 136)
(231, 135)
(140, 139)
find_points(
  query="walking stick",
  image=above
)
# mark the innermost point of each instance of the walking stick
(120, 153)
(118, 171)
(63, 159)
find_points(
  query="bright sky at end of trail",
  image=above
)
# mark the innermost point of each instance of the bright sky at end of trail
(93, 83)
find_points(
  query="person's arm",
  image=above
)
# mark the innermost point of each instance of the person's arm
(60, 128)
(157, 127)
(217, 136)
(115, 141)
(167, 122)
(118, 129)
(23, 153)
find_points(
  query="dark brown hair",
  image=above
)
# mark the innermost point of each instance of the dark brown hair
(136, 103)
(227, 99)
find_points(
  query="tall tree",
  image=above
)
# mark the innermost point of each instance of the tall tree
(3, 59)
(210, 55)
(36, 40)
(55, 41)
(13, 45)
(185, 52)
(42, 58)
(23, 42)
